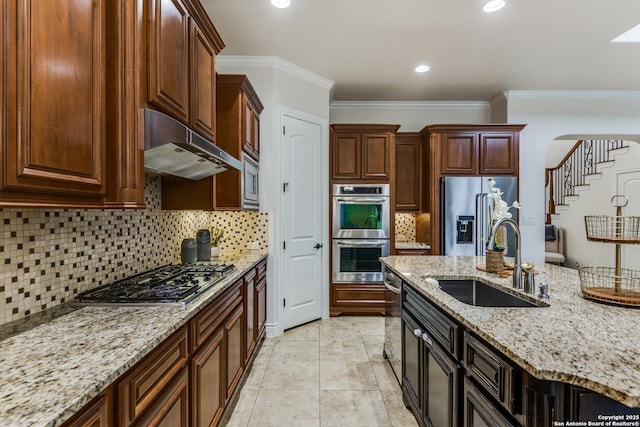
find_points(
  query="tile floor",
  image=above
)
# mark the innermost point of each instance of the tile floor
(326, 373)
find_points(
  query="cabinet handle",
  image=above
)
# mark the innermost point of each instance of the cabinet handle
(417, 332)
(426, 338)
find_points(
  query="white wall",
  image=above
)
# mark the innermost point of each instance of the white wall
(411, 116)
(279, 84)
(553, 114)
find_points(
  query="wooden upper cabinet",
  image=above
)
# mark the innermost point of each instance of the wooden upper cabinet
(362, 152)
(203, 102)
(346, 155)
(408, 172)
(53, 103)
(238, 108)
(476, 149)
(499, 153)
(459, 153)
(169, 57)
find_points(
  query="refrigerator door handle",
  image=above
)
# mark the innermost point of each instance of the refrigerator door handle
(482, 223)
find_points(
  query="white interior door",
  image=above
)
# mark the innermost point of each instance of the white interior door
(629, 185)
(302, 221)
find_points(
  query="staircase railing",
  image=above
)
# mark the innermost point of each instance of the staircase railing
(573, 170)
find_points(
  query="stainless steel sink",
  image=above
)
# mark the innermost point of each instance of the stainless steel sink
(475, 292)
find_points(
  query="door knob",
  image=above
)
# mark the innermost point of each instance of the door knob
(318, 245)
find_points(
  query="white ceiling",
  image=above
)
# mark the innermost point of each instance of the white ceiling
(369, 48)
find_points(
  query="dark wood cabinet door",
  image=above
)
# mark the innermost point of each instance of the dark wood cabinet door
(459, 155)
(479, 411)
(408, 172)
(169, 57)
(412, 366)
(97, 413)
(441, 385)
(250, 313)
(53, 96)
(499, 154)
(207, 382)
(261, 306)
(346, 155)
(376, 160)
(203, 100)
(172, 407)
(247, 131)
(234, 350)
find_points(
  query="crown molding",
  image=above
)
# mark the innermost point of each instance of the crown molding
(410, 105)
(275, 63)
(572, 94)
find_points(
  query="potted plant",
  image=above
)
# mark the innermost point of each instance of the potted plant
(217, 235)
(500, 209)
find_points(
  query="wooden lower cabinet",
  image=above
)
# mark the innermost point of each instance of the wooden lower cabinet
(171, 407)
(190, 378)
(140, 388)
(358, 298)
(207, 379)
(97, 413)
(250, 312)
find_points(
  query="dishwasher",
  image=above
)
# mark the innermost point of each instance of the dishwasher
(393, 324)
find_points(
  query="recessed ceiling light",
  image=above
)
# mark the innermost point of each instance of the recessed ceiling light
(631, 36)
(422, 68)
(493, 5)
(281, 3)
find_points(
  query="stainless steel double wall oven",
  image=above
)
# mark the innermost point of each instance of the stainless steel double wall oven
(361, 232)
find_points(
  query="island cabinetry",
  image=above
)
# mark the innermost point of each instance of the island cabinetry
(157, 386)
(53, 143)
(362, 152)
(408, 172)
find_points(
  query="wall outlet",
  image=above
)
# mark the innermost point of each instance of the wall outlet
(528, 220)
(401, 237)
(253, 245)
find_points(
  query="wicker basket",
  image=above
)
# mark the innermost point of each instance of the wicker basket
(613, 229)
(602, 284)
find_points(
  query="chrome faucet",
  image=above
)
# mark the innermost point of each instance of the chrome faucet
(518, 281)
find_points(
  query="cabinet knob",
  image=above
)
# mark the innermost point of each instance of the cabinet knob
(417, 332)
(426, 338)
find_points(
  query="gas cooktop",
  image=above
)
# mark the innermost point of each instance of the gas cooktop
(175, 285)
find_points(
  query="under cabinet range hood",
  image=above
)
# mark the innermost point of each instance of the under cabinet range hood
(171, 148)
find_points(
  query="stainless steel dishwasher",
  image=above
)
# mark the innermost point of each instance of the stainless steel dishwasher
(393, 324)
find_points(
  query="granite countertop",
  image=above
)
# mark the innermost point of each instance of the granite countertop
(52, 370)
(573, 340)
(411, 245)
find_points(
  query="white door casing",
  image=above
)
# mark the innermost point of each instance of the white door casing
(302, 219)
(628, 184)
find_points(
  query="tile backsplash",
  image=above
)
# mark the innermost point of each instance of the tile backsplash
(49, 255)
(406, 226)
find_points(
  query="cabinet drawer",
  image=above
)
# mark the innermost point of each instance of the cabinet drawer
(492, 371)
(140, 387)
(205, 323)
(440, 327)
(479, 411)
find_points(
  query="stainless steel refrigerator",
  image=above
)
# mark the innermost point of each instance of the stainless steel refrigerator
(465, 213)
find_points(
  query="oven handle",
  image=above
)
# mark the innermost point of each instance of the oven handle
(362, 200)
(391, 287)
(361, 245)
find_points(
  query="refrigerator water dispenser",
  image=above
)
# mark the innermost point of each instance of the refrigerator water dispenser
(464, 229)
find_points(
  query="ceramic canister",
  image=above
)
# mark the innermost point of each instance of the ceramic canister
(203, 238)
(188, 253)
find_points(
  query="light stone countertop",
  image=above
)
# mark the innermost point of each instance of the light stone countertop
(411, 245)
(51, 371)
(573, 340)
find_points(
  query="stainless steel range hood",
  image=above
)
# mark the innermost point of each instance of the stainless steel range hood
(170, 148)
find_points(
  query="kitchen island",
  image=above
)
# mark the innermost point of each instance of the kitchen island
(52, 370)
(572, 340)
